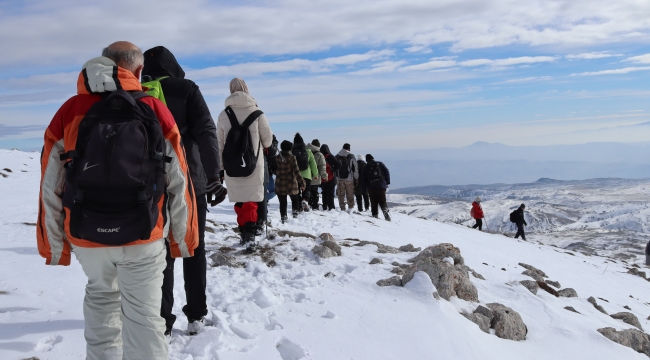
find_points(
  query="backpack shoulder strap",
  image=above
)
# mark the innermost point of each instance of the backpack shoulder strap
(252, 117)
(232, 117)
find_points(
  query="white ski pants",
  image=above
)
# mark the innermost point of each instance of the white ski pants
(122, 303)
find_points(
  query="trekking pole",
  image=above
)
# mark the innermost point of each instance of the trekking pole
(486, 225)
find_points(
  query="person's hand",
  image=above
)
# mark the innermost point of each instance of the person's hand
(222, 174)
(216, 192)
(315, 178)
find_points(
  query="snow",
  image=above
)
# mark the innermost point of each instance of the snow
(305, 307)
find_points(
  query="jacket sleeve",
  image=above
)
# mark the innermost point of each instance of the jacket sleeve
(356, 167)
(322, 167)
(204, 132)
(221, 136)
(49, 225)
(384, 169)
(363, 179)
(312, 165)
(266, 135)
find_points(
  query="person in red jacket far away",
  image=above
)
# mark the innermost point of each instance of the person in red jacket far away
(477, 213)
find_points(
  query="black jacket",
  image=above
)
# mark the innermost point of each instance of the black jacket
(185, 102)
(519, 217)
(358, 189)
(334, 163)
(364, 181)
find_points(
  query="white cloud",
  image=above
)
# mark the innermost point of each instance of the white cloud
(639, 59)
(626, 70)
(431, 65)
(509, 61)
(382, 67)
(592, 56)
(525, 80)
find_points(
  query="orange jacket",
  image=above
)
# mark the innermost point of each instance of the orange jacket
(53, 225)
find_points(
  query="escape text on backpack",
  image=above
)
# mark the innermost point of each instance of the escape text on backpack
(239, 157)
(115, 178)
(375, 175)
(300, 152)
(344, 170)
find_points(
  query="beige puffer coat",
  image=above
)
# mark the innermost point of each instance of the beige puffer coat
(320, 163)
(251, 188)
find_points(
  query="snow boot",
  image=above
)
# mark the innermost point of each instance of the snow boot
(195, 326)
(248, 236)
(295, 214)
(305, 206)
(284, 218)
(386, 214)
(376, 216)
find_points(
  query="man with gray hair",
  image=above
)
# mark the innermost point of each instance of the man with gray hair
(104, 214)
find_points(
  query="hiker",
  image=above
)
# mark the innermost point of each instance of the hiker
(647, 254)
(272, 165)
(362, 197)
(288, 181)
(348, 177)
(130, 201)
(331, 167)
(477, 214)
(245, 180)
(375, 180)
(199, 136)
(322, 172)
(307, 166)
(517, 217)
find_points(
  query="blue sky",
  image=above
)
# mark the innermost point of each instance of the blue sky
(379, 74)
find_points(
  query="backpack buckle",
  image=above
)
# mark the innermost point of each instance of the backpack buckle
(69, 155)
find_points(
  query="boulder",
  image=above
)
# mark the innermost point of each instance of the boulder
(555, 284)
(595, 304)
(376, 261)
(476, 275)
(283, 233)
(632, 338)
(323, 251)
(450, 280)
(409, 248)
(547, 288)
(221, 259)
(533, 275)
(507, 323)
(333, 246)
(397, 270)
(628, 318)
(479, 319)
(570, 308)
(533, 269)
(530, 285)
(485, 312)
(381, 248)
(393, 281)
(326, 237)
(568, 292)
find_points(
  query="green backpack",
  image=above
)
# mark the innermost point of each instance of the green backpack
(154, 88)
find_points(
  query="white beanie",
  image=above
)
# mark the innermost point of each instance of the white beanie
(360, 157)
(478, 199)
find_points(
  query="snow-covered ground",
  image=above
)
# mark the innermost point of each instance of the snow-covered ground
(609, 217)
(290, 304)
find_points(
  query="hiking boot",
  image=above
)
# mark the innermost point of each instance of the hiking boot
(284, 218)
(295, 214)
(376, 216)
(168, 335)
(386, 214)
(305, 206)
(195, 326)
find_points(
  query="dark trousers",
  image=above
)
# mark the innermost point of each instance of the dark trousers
(295, 203)
(194, 269)
(304, 194)
(328, 195)
(520, 231)
(313, 197)
(377, 199)
(366, 201)
(479, 224)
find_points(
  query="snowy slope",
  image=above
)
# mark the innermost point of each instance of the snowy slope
(292, 310)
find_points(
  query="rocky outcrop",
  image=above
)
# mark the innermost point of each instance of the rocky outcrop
(376, 261)
(595, 304)
(530, 285)
(333, 246)
(507, 323)
(568, 292)
(283, 233)
(632, 338)
(323, 252)
(547, 288)
(534, 275)
(570, 308)
(381, 248)
(533, 269)
(450, 280)
(481, 320)
(409, 248)
(393, 281)
(221, 259)
(555, 284)
(476, 275)
(628, 318)
(326, 237)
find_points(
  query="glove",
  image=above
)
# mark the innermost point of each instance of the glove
(216, 192)
(222, 175)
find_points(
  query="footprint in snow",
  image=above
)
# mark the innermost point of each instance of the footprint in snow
(47, 343)
(289, 350)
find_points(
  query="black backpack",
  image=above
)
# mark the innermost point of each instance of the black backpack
(116, 177)
(513, 216)
(239, 157)
(375, 175)
(300, 152)
(344, 170)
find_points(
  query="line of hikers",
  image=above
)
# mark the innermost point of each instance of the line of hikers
(128, 170)
(516, 217)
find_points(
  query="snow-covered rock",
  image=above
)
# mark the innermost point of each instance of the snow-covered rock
(323, 251)
(568, 292)
(507, 323)
(632, 338)
(628, 318)
(530, 285)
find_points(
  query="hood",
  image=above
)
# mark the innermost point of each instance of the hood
(159, 62)
(297, 140)
(324, 149)
(343, 153)
(101, 74)
(240, 99)
(313, 148)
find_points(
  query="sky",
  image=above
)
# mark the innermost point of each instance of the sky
(379, 74)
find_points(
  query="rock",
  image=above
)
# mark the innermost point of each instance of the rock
(642, 274)
(326, 237)
(632, 338)
(570, 308)
(283, 233)
(534, 275)
(323, 251)
(507, 323)
(409, 248)
(450, 280)
(568, 292)
(627, 307)
(397, 270)
(554, 283)
(479, 319)
(485, 312)
(476, 275)
(533, 269)
(547, 288)
(633, 271)
(595, 304)
(395, 263)
(530, 285)
(376, 261)
(221, 259)
(381, 248)
(628, 318)
(394, 281)
(333, 246)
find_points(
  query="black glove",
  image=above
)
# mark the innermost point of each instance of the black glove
(216, 192)
(525, 223)
(221, 175)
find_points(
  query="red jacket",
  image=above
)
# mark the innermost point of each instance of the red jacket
(53, 224)
(477, 211)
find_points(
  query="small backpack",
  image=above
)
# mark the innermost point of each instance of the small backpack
(375, 175)
(154, 88)
(513, 216)
(300, 152)
(344, 170)
(239, 157)
(328, 169)
(115, 178)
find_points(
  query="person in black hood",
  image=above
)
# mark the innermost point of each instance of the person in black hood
(520, 221)
(199, 137)
(374, 180)
(332, 166)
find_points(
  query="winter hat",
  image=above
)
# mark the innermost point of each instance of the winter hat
(478, 199)
(522, 206)
(359, 157)
(346, 146)
(325, 150)
(238, 84)
(315, 142)
(369, 157)
(286, 145)
(297, 140)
